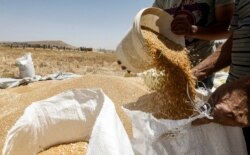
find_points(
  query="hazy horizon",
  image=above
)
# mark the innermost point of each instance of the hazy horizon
(85, 23)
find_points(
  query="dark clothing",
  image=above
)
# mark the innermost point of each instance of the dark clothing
(207, 83)
(246, 132)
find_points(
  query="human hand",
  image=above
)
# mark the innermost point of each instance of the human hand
(197, 74)
(230, 102)
(182, 25)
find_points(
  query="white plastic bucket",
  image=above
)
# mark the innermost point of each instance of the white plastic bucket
(132, 53)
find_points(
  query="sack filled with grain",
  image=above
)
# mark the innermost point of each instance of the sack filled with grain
(162, 119)
(14, 101)
(71, 116)
(224, 140)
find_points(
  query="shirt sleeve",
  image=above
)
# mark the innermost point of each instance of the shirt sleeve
(234, 20)
(158, 4)
(241, 16)
(234, 23)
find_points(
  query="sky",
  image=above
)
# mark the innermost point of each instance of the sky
(86, 23)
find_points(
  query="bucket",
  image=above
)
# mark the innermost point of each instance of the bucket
(132, 53)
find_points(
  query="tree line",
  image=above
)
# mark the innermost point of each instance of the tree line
(43, 46)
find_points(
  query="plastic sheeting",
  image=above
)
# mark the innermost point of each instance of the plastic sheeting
(11, 82)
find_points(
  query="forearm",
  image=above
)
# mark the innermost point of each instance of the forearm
(245, 80)
(215, 62)
(219, 30)
(215, 32)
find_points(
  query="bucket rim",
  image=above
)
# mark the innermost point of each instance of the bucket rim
(148, 10)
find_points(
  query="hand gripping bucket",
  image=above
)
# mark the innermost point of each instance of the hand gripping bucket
(132, 53)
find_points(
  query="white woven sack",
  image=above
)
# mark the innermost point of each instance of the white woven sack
(153, 136)
(26, 66)
(157, 137)
(69, 117)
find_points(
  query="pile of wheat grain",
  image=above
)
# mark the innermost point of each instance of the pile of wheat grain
(79, 148)
(14, 101)
(175, 86)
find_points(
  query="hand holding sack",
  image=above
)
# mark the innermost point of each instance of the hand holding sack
(230, 104)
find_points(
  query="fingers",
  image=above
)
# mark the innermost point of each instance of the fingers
(198, 73)
(221, 113)
(229, 107)
(181, 25)
(225, 115)
(180, 28)
(194, 74)
(201, 121)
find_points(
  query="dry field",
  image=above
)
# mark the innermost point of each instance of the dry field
(51, 61)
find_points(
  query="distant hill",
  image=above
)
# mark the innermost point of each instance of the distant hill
(47, 43)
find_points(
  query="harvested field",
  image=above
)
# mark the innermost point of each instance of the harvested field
(50, 61)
